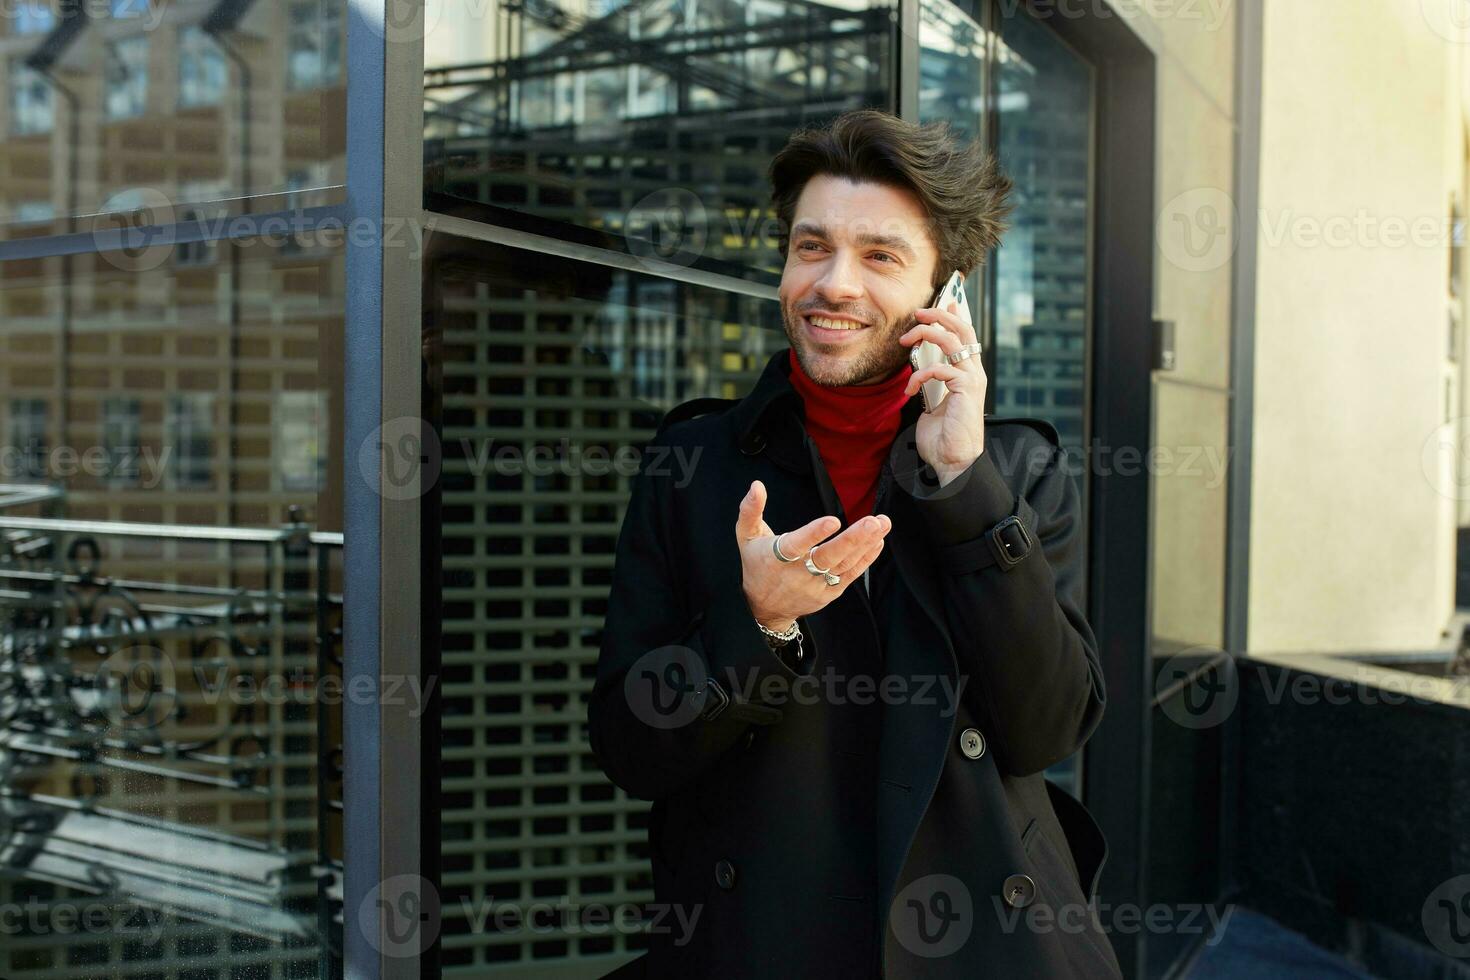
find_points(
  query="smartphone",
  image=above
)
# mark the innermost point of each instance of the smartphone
(923, 354)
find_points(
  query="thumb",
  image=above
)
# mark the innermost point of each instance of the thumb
(752, 506)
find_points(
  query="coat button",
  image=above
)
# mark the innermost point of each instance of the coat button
(753, 442)
(725, 874)
(1018, 891)
(972, 743)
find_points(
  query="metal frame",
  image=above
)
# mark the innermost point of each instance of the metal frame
(1115, 777)
(1249, 44)
(381, 786)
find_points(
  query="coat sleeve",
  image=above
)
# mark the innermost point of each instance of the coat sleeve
(655, 646)
(1020, 633)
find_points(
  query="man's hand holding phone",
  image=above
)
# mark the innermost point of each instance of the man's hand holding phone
(780, 592)
(951, 431)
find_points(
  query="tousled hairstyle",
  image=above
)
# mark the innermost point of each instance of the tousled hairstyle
(960, 185)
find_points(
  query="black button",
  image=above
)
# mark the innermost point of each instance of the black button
(725, 874)
(972, 743)
(753, 443)
(1018, 891)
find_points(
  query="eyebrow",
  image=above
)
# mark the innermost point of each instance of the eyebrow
(896, 242)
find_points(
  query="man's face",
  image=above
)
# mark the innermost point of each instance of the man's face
(860, 255)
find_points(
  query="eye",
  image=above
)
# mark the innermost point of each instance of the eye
(805, 244)
(886, 256)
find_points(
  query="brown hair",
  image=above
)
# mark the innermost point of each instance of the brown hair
(959, 184)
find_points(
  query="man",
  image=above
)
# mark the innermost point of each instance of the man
(839, 656)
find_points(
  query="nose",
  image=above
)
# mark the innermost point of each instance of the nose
(841, 281)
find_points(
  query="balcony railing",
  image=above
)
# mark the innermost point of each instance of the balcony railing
(170, 723)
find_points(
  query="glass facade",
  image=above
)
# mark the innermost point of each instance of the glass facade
(171, 548)
(176, 475)
(113, 108)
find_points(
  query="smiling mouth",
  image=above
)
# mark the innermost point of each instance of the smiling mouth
(827, 323)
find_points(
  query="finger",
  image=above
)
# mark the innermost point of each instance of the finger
(861, 560)
(864, 561)
(752, 506)
(946, 340)
(948, 373)
(798, 542)
(851, 543)
(952, 322)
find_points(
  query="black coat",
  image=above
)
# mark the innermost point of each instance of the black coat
(848, 830)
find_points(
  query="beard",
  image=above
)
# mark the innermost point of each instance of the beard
(876, 358)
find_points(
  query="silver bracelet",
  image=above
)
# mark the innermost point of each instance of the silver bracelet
(774, 639)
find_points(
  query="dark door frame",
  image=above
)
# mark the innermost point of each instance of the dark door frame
(1115, 774)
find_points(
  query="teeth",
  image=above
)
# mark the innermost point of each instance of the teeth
(822, 321)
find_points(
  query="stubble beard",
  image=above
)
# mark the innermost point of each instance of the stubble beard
(878, 358)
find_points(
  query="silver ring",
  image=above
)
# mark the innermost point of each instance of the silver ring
(776, 547)
(834, 579)
(811, 566)
(968, 350)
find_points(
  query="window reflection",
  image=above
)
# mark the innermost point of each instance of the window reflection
(1044, 96)
(170, 607)
(605, 115)
(110, 103)
(553, 374)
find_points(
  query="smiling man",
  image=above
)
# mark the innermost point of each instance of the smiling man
(839, 657)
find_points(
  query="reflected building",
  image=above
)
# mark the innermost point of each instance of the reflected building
(171, 526)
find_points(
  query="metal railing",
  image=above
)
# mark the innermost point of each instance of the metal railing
(170, 738)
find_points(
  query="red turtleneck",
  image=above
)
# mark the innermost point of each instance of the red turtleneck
(853, 427)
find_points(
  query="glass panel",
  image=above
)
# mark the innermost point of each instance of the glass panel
(116, 107)
(1044, 99)
(1040, 273)
(648, 120)
(952, 62)
(170, 592)
(553, 374)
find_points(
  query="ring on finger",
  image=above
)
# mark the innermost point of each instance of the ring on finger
(811, 566)
(834, 579)
(967, 350)
(776, 547)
